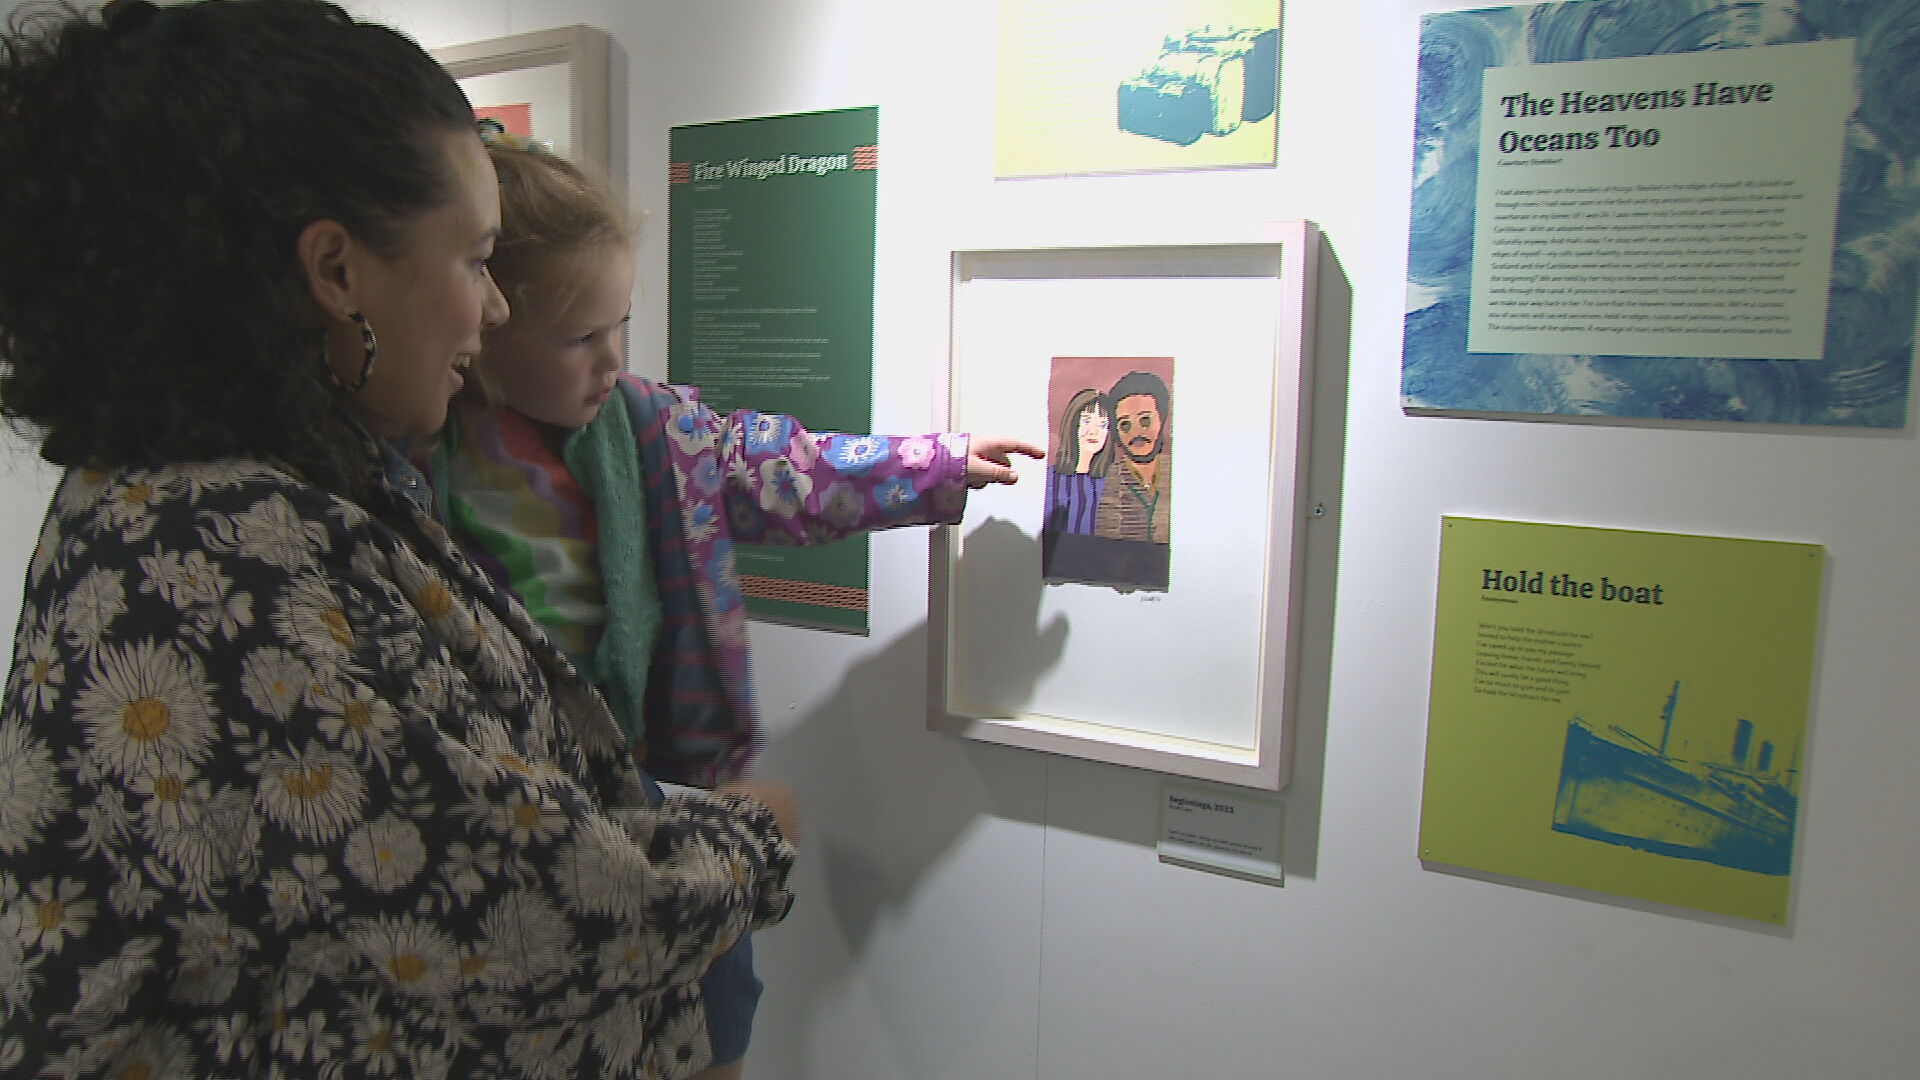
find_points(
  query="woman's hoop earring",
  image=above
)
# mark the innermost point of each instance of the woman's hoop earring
(369, 352)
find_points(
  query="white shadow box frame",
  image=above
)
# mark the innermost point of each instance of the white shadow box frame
(560, 73)
(1195, 681)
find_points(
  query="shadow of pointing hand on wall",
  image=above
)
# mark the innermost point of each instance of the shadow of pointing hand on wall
(890, 795)
(996, 615)
(888, 800)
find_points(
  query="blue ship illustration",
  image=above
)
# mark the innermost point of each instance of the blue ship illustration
(1618, 788)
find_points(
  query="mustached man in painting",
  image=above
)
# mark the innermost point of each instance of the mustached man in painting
(1135, 503)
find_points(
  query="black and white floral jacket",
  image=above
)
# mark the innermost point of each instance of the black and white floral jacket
(284, 794)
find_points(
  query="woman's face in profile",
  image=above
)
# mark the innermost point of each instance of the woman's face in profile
(1091, 433)
(429, 303)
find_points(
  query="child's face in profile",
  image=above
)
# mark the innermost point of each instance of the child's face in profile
(558, 367)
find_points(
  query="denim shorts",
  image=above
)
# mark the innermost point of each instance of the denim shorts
(730, 988)
(732, 993)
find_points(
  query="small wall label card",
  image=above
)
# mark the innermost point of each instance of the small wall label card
(1683, 212)
(1230, 832)
(1621, 711)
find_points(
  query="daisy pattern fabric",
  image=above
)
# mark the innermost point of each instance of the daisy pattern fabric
(283, 794)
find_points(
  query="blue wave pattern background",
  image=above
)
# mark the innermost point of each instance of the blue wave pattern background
(1862, 380)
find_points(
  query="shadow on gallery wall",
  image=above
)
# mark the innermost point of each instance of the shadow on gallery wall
(1332, 346)
(886, 803)
(884, 797)
(1026, 650)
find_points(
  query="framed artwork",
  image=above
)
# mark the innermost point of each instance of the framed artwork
(550, 85)
(1085, 610)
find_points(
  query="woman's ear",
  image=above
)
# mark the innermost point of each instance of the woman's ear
(324, 249)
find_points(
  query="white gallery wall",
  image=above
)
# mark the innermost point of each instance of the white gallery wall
(970, 912)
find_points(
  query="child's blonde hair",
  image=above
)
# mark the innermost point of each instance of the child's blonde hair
(556, 224)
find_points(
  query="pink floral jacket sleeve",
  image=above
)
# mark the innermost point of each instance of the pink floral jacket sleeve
(714, 480)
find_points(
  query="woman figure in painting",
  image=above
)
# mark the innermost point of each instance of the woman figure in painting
(287, 786)
(1083, 449)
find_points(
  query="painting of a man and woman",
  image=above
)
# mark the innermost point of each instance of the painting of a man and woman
(1108, 503)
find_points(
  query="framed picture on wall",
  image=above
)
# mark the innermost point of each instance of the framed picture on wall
(550, 85)
(1133, 599)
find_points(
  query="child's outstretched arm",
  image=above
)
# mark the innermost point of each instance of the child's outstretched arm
(784, 484)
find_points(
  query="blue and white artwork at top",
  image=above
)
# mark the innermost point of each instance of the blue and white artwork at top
(1667, 209)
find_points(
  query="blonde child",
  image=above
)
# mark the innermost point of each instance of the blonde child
(610, 504)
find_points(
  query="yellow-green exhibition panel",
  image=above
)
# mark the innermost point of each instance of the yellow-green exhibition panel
(1621, 711)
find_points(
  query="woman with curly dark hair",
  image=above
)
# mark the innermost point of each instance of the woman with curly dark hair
(286, 786)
